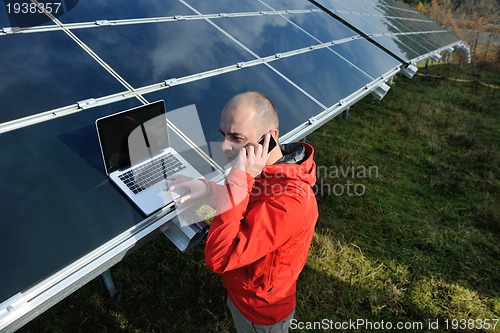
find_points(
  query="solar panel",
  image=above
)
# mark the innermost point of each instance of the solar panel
(393, 26)
(314, 59)
(37, 76)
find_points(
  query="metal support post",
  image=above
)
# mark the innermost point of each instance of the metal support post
(107, 280)
(345, 113)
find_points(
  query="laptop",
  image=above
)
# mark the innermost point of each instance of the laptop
(137, 155)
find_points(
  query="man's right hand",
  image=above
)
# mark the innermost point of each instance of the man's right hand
(197, 188)
(253, 157)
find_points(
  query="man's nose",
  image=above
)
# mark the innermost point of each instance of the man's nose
(225, 145)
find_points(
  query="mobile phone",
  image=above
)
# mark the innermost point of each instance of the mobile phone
(272, 143)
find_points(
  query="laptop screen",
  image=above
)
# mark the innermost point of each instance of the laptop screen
(132, 136)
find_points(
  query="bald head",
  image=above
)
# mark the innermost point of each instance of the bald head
(264, 114)
(244, 120)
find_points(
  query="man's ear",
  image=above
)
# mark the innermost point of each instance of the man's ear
(275, 133)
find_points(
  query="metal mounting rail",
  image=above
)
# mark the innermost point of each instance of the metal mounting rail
(441, 49)
(407, 33)
(147, 20)
(380, 16)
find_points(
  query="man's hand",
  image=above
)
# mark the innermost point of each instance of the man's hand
(253, 157)
(196, 187)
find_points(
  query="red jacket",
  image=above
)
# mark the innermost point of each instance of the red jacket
(260, 245)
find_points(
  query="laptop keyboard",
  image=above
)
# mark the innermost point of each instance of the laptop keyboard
(142, 177)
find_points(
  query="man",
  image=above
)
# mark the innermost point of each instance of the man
(266, 213)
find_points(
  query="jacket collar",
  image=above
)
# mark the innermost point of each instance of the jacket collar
(297, 164)
(293, 153)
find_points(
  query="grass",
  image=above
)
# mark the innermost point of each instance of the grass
(414, 241)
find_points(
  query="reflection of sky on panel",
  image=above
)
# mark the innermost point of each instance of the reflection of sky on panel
(367, 57)
(393, 43)
(289, 4)
(91, 10)
(62, 209)
(210, 94)
(370, 8)
(147, 54)
(322, 26)
(366, 24)
(323, 74)
(418, 43)
(48, 70)
(266, 35)
(396, 46)
(226, 6)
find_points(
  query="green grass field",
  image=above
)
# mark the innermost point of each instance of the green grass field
(409, 227)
